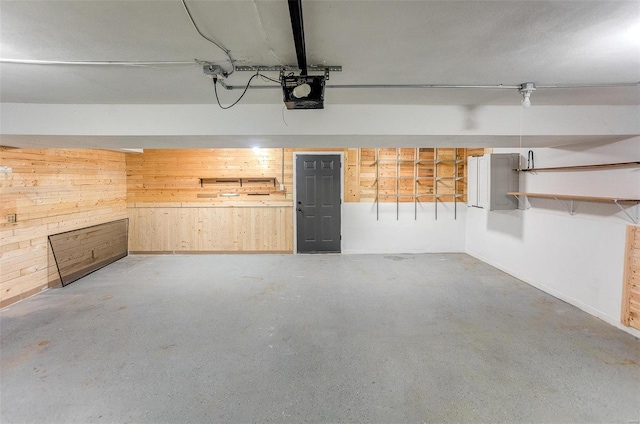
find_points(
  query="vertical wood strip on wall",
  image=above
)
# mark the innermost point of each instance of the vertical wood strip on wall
(631, 281)
(51, 191)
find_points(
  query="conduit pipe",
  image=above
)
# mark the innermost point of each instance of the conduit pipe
(445, 86)
(95, 63)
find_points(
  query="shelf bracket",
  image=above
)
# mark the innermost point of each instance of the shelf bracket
(634, 220)
(569, 208)
(524, 202)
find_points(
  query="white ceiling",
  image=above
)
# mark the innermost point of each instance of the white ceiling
(376, 42)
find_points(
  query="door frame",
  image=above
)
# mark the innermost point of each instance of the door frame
(295, 192)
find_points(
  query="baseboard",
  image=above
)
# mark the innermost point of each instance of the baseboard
(615, 321)
(210, 252)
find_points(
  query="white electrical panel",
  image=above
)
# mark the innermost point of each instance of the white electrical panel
(490, 178)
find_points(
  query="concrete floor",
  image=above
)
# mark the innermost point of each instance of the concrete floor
(313, 338)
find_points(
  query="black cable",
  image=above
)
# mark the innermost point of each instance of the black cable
(215, 89)
(264, 77)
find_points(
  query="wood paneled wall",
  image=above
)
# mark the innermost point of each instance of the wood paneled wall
(408, 172)
(171, 211)
(173, 175)
(51, 191)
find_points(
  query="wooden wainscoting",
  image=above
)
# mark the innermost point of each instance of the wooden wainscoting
(189, 228)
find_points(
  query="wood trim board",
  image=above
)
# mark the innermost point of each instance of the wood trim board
(630, 313)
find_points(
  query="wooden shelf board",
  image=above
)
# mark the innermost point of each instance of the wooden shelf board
(578, 167)
(241, 181)
(574, 197)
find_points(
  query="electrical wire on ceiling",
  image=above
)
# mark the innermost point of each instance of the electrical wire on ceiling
(215, 89)
(267, 79)
(218, 45)
(147, 64)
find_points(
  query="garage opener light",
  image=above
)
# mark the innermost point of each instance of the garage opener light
(526, 89)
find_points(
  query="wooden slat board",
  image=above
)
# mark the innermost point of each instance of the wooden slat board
(52, 191)
(211, 229)
(631, 285)
(396, 169)
(80, 252)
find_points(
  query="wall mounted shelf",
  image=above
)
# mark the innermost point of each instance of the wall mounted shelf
(560, 198)
(234, 187)
(424, 168)
(239, 182)
(581, 167)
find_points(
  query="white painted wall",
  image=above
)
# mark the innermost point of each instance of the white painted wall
(362, 233)
(579, 258)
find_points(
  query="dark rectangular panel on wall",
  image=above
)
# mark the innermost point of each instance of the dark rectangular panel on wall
(81, 252)
(318, 202)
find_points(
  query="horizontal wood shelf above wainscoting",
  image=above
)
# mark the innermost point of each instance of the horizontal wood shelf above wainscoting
(238, 192)
(270, 204)
(244, 181)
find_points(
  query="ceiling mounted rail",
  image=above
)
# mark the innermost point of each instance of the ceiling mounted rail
(278, 68)
(295, 11)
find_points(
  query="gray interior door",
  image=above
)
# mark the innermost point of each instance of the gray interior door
(318, 203)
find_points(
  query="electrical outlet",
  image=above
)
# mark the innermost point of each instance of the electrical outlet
(288, 196)
(11, 217)
(5, 169)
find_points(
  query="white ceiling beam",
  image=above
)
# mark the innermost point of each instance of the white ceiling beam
(198, 125)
